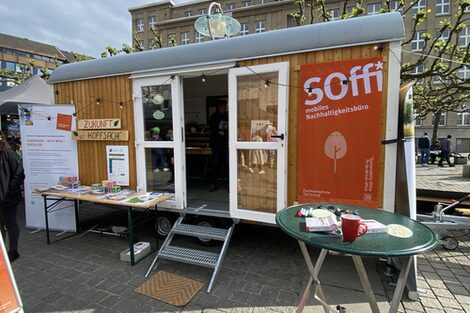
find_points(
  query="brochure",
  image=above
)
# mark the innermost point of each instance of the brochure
(375, 227)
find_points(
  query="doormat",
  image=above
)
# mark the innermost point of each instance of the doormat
(170, 288)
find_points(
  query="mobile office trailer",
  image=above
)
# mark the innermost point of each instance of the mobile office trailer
(309, 108)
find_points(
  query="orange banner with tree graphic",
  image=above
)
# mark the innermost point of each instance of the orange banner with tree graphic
(340, 131)
(8, 300)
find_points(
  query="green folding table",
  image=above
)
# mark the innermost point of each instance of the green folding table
(378, 245)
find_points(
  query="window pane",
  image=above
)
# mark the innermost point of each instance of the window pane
(159, 165)
(157, 108)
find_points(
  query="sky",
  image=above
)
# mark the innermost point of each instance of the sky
(83, 26)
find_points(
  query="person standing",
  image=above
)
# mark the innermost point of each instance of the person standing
(424, 145)
(219, 142)
(446, 148)
(11, 179)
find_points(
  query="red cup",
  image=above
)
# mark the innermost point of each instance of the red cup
(352, 227)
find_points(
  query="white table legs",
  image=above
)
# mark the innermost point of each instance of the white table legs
(361, 271)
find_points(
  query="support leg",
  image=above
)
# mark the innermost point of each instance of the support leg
(77, 222)
(361, 271)
(404, 270)
(130, 223)
(314, 271)
(47, 220)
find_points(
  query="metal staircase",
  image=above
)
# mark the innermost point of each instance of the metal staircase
(194, 256)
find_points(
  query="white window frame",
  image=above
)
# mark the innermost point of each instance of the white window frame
(152, 21)
(198, 37)
(202, 11)
(139, 25)
(185, 38)
(374, 8)
(141, 44)
(464, 73)
(418, 41)
(418, 70)
(334, 13)
(420, 5)
(394, 6)
(231, 6)
(464, 37)
(462, 116)
(260, 26)
(188, 13)
(245, 29)
(179, 201)
(261, 2)
(443, 36)
(246, 3)
(442, 121)
(281, 146)
(152, 44)
(441, 5)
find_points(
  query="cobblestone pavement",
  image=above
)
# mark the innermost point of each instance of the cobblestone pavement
(263, 272)
(448, 179)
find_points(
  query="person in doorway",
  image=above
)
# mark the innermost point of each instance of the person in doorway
(158, 157)
(219, 142)
(424, 145)
(11, 179)
(446, 148)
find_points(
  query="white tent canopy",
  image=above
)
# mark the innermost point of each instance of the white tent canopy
(34, 90)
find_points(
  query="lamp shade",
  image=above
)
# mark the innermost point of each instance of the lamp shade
(221, 25)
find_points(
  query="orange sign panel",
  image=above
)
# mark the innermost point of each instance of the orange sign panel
(64, 122)
(340, 131)
(8, 301)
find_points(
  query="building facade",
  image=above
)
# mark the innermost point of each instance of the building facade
(174, 21)
(17, 53)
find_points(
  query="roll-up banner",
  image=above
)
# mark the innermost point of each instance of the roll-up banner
(340, 123)
(49, 153)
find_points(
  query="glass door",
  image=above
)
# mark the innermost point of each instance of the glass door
(258, 102)
(158, 110)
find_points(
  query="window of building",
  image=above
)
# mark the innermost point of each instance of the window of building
(374, 8)
(8, 51)
(418, 70)
(261, 1)
(349, 10)
(417, 44)
(442, 7)
(198, 37)
(245, 29)
(394, 6)
(202, 11)
(231, 6)
(260, 26)
(246, 4)
(464, 73)
(141, 44)
(418, 120)
(420, 5)
(171, 40)
(152, 44)
(467, 9)
(152, 21)
(463, 118)
(464, 37)
(139, 25)
(442, 120)
(334, 14)
(185, 38)
(444, 35)
(10, 66)
(188, 13)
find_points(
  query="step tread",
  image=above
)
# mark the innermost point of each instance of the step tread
(200, 231)
(191, 256)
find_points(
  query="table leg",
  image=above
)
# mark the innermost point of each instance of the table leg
(47, 220)
(313, 280)
(361, 271)
(77, 223)
(404, 270)
(130, 226)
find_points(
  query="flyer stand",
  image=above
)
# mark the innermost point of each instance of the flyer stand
(10, 300)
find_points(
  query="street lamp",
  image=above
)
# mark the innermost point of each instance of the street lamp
(217, 25)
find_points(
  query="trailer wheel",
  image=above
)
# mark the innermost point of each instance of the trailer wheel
(450, 243)
(163, 224)
(207, 222)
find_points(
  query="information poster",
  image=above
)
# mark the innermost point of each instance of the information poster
(117, 158)
(9, 297)
(49, 153)
(340, 131)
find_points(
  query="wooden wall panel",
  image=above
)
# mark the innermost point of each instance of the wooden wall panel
(295, 60)
(111, 91)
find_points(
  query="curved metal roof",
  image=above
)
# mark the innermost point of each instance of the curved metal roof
(349, 32)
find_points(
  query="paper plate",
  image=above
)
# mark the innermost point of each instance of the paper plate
(399, 231)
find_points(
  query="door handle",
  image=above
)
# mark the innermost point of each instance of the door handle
(281, 136)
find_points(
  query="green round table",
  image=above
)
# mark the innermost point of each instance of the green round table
(381, 245)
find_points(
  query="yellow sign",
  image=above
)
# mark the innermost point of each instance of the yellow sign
(103, 135)
(102, 123)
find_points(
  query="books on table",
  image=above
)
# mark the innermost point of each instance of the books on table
(321, 221)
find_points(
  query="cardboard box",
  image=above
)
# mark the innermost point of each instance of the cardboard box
(141, 250)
